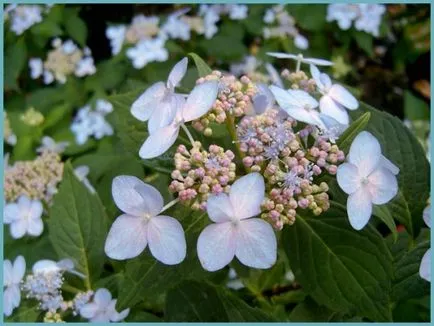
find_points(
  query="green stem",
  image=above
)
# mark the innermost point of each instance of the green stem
(190, 137)
(170, 204)
(230, 125)
(71, 289)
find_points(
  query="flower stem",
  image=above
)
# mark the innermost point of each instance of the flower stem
(190, 137)
(297, 68)
(170, 204)
(230, 125)
(71, 289)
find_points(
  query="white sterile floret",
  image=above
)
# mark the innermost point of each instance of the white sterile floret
(85, 67)
(159, 102)
(197, 104)
(335, 98)
(50, 266)
(49, 144)
(175, 27)
(12, 277)
(141, 224)
(298, 104)
(81, 173)
(368, 178)
(237, 12)
(102, 308)
(116, 35)
(36, 68)
(425, 265)
(24, 16)
(263, 99)
(235, 232)
(301, 42)
(148, 50)
(24, 217)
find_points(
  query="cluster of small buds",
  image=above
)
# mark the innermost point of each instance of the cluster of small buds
(35, 179)
(200, 173)
(234, 98)
(51, 317)
(8, 135)
(45, 287)
(299, 80)
(64, 60)
(32, 117)
(289, 164)
(80, 300)
(142, 27)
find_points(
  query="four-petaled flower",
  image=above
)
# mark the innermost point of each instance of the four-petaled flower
(141, 224)
(12, 276)
(24, 217)
(425, 265)
(103, 308)
(235, 233)
(334, 98)
(159, 102)
(368, 178)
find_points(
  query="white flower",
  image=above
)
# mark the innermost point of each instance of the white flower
(81, 173)
(344, 14)
(211, 15)
(159, 102)
(263, 99)
(148, 50)
(301, 42)
(198, 103)
(333, 128)
(36, 68)
(269, 16)
(69, 47)
(175, 27)
(425, 265)
(12, 276)
(102, 308)
(50, 266)
(238, 12)
(142, 225)
(103, 106)
(334, 98)
(24, 217)
(235, 233)
(298, 104)
(48, 77)
(368, 178)
(25, 16)
(247, 66)
(50, 144)
(85, 67)
(116, 35)
(300, 58)
(274, 75)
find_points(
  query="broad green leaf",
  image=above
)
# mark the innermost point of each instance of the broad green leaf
(403, 149)
(142, 317)
(202, 68)
(192, 301)
(310, 311)
(384, 215)
(415, 108)
(15, 59)
(317, 16)
(46, 29)
(75, 26)
(78, 226)
(347, 137)
(27, 312)
(346, 270)
(365, 41)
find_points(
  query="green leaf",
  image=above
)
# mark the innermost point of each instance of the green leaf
(346, 270)
(78, 226)
(15, 61)
(142, 317)
(384, 215)
(75, 26)
(310, 311)
(222, 47)
(317, 14)
(27, 312)
(192, 301)
(347, 137)
(415, 108)
(46, 29)
(400, 146)
(365, 41)
(202, 68)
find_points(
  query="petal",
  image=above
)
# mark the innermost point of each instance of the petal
(11, 213)
(89, 310)
(8, 299)
(126, 238)
(159, 142)
(81, 172)
(427, 215)
(329, 107)
(15, 295)
(19, 269)
(166, 240)
(216, 246)
(163, 114)
(200, 100)
(343, 97)
(348, 178)
(18, 229)
(45, 265)
(24, 202)
(35, 227)
(102, 297)
(365, 153)
(65, 264)
(316, 75)
(274, 75)
(177, 73)
(247, 194)
(143, 107)
(359, 208)
(318, 62)
(425, 266)
(119, 316)
(386, 163)
(256, 243)
(135, 197)
(219, 208)
(282, 55)
(7, 272)
(383, 186)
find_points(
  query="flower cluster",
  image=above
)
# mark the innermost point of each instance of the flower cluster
(22, 17)
(200, 173)
(91, 122)
(234, 98)
(366, 17)
(35, 179)
(282, 24)
(32, 118)
(64, 60)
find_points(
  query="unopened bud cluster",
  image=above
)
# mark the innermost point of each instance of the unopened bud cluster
(289, 161)
(299, 80)
(199, 173)
(35, 179)
(234, 98)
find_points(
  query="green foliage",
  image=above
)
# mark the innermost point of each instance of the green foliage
(15, 56)
(202, 68)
